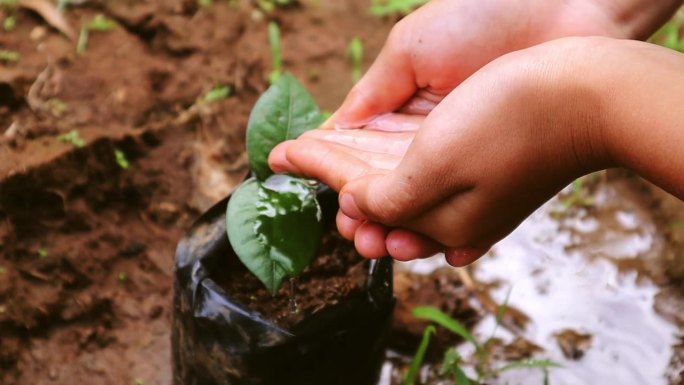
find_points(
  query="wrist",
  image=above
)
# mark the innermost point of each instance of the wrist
(623, 19)
(631, 19)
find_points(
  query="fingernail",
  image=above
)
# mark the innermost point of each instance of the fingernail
(349, 207)
(463, 256)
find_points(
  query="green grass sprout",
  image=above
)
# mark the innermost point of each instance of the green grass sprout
(57, 106)
(218, 92)
(417, 361)
(355, 56)
(9, 23)
(276, 54)
(452, 361)
(99, 23)
(9, 56)
(72, 137)
(391, 7)
(121, 160)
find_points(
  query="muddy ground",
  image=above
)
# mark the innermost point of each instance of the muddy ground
(86, 245)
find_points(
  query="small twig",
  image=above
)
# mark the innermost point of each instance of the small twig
(33, 99)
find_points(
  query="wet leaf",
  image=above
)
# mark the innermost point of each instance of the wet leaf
(50, 14)
(274, 227)
(285, 111)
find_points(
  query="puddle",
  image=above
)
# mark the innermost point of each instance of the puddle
(570, 273)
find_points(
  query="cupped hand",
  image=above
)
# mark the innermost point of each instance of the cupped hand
(432, 51)
(435, 48)
(463, 177)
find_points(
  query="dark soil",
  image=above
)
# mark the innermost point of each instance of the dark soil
(336, 273)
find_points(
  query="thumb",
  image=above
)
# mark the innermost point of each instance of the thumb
(388, 199)
(389, 83)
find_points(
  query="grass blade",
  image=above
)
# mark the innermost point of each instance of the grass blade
(443, 319)
(417, 360)
(530, 364)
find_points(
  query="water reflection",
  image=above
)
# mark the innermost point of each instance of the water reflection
(566, 274)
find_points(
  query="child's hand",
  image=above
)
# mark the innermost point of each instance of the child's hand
(499, 145)
(435, 48)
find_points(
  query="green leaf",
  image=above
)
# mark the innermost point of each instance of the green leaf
(530, 364)
(390, 7)
(285, 111)
(218, 92)
(460, 377)
(443, 319)
(9, 56)
(450, 365)
(417, 360)
(274, 227)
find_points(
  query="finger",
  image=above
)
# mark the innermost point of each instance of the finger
(406, 245)
(323, 161)
(393, 143)
(460, 257)
(387, 85)
(277, 159)
(423, 179)
(369, 240)
(423, 102)
(395, 122)
(347, 226)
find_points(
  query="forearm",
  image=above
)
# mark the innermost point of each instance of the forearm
(639, 19)
(643, 118)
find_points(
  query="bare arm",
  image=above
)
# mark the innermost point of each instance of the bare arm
(639, 19)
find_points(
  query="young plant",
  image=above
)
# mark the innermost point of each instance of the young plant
(274, 221)
(390, 7)
(73, 137)
(355, 56)
(276, 55)
(452, 362)
(99, 23)
(9, 56)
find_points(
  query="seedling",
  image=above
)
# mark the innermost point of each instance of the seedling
(274, 41)
(121, 160)
(274, 221)
(578, 196)
(355, 56)
(42, 253)
(73, 137)
(99, 23)
(217, 93)
(270, 5)
(392, 7)
(9, 23)
(9, 56)
(122, 277)
(3, 270)
(57, 106)
(451, 364)
(205, 3)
